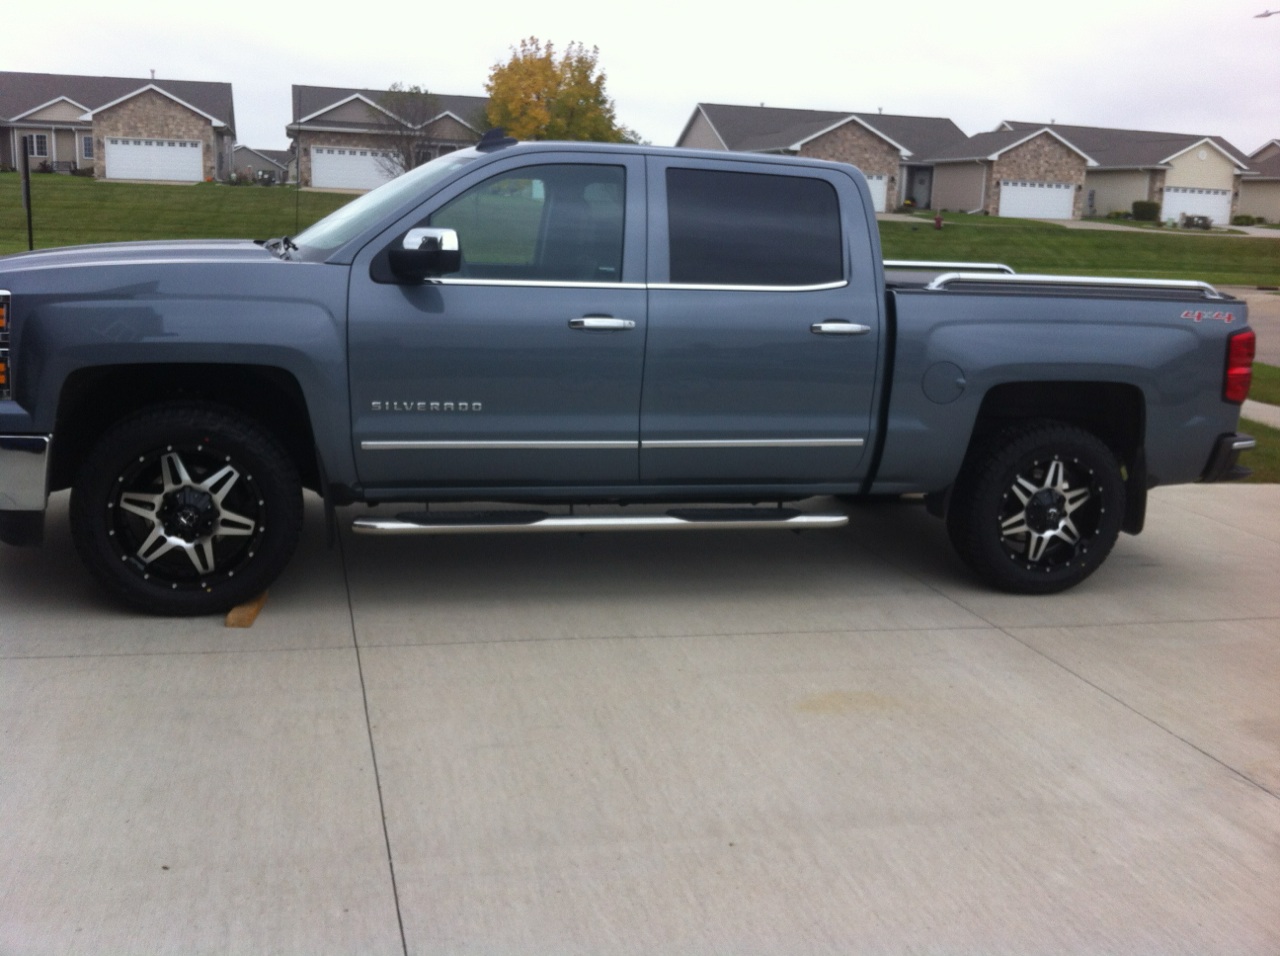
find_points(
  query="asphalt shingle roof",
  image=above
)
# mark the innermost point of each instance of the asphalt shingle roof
(771, 128)
(22, 92)
(308, 100)
(1128, 148)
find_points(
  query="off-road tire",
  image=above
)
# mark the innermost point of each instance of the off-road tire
(1037, 507)
(186, 509)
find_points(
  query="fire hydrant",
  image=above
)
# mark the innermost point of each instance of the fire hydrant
(937, 221)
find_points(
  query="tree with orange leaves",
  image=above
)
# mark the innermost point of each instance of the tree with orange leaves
(537, 95)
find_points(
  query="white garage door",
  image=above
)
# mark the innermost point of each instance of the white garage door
(1180, 201)
(333, 168)
(165, 159)
(1025, 200)
(878, 191)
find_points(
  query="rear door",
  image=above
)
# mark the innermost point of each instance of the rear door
(764, 324)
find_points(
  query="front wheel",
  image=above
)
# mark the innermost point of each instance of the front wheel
(186, 509)
(1037, 508)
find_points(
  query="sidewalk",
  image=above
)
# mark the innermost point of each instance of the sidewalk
(1261, 412)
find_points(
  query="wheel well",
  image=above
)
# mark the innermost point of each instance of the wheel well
(95, 398)
(1114, 412)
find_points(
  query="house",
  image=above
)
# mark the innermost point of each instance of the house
(1188, 174)
(349, 139)
(1260, 192)
(1031, 174)
(888, 149)
(121, 127)
(264, 165)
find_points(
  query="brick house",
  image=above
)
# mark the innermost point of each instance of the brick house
(1188, 174)
(120, 127)
(890, 150)
(1260, 188)
(343, 138)
(1031, 174)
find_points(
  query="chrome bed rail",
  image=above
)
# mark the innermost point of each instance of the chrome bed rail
(950, 279)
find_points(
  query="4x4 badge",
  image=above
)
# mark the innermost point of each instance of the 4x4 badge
(1201, 316)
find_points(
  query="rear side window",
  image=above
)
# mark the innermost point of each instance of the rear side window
(752, 229)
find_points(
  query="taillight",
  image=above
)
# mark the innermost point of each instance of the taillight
(6, 386)
(1240, 351)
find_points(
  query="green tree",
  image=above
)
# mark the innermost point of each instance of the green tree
(539, 95)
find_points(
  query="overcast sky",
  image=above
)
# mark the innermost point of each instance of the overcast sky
(1193, 66)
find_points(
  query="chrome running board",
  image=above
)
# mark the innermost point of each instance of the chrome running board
(677, 519)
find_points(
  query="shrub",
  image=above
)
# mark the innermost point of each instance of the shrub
(1146, 211)
(1247, 220)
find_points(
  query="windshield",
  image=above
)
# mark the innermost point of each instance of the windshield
(346, 223)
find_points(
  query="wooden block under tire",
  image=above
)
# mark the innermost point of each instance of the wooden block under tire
(243, 615)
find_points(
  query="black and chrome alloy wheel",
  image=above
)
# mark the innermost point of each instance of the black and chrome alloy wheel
(186, 509)
(1037, 508)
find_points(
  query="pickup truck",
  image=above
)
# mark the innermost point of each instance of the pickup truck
(544, 326)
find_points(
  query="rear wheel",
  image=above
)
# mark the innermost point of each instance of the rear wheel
(186, 509)
(1038, 508)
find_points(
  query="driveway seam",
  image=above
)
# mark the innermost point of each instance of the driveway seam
(373, 750)
(1151, 720)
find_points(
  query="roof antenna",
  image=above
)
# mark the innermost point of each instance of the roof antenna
(494, 139)
(153, 74)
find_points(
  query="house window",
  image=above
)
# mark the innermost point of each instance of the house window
(86, 147)
(38, 145)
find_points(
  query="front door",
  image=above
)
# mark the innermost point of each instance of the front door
(523, 368)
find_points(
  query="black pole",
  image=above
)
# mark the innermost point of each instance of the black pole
(26, 188)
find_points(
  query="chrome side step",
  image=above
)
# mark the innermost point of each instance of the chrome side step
(677, 519)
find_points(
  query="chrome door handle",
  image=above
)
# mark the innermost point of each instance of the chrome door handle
(838, 327)
(601, 323)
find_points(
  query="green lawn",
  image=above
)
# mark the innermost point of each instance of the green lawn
(71, 210)
(1049, 248)
(1266, 384)
(1265, 459)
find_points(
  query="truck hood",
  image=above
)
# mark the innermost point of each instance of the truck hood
(136, 253)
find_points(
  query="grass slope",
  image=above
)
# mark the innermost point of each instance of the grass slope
(1265, 459)
(1030, 246)
(1266, 384)
(71, 210)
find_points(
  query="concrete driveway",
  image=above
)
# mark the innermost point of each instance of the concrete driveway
(729, 742)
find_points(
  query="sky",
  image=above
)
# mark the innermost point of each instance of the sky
(1188, 66)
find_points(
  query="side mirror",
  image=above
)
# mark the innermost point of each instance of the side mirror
(425, 253)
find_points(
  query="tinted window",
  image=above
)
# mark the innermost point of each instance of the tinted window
(752, 229)
(541, 223)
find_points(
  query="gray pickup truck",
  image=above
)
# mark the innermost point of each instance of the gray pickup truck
(552, 325)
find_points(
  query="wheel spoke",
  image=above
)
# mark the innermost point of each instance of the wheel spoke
(157, 544)
(230, 523)
(201, 555)
(1024, 489)
(174, 471)
(1074, 498)
(220, 483)
(1068, 532)
(1015, 525)
(1037, 544)
(1056, 477)
(144, 506)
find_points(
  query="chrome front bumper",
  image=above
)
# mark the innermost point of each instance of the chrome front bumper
(24, 472)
